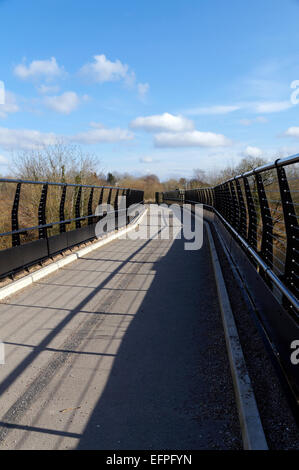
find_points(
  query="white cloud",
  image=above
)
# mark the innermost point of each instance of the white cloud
(212, 110)
(130, 79)
(261, 119)
(2, 92)
(10, 105)
(3, 160)
(146, 160)
(272, 106)
(262, 107)
(45, 89)
(191, 139)
(39, 68)
(292, 132)
(101, 134)
(103, 70)
(97, 125)
(28, 139)
(248, 122)
(163, 122)
(24, 138)
(65, 103)
(253, 152)
(143, 89)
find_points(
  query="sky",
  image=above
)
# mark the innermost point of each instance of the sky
(158, 87)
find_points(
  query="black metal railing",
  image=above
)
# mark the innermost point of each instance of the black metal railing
(256, 216)
(40, 219)
(261, 208)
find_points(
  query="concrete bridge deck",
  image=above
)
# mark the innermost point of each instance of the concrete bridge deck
(123, 349)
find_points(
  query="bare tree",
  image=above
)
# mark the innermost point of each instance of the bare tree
(61, 162)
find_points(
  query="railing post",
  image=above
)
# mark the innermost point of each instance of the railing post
(292, 232)
(100, 202)
(133, 196)
(242, 211)
(123, 195)
(267, 232)
(77, 207)
(209, 197)
(90, 219)
(213, 197)
(223, 202)
(14, 216)
(109, 197)
(218, 199)
(109, 202)
(116, 209)
(42, 212)
(101, 197)
(252, 223)
(124, 206)
(128, 203)
(235, 215)
(62, 227)
(228, 203)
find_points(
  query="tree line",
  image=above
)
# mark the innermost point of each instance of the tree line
(67, 163)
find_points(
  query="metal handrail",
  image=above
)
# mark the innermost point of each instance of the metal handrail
(51, 183)
(132, 196)
(50, 225)
(292, 299)
(265, 230)
(237, 207)
(269, 166)
(18, 252)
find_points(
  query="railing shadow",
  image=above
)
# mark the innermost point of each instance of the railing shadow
(44, 379)
(169, 387)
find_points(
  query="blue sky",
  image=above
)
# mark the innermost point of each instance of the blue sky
(161, 87)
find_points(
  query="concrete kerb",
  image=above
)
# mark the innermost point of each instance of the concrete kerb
(251, 426)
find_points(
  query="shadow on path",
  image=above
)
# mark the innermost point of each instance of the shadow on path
(170, 384)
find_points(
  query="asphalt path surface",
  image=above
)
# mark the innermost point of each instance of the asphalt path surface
(122, 349)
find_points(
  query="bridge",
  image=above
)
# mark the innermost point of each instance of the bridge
(115, 336)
